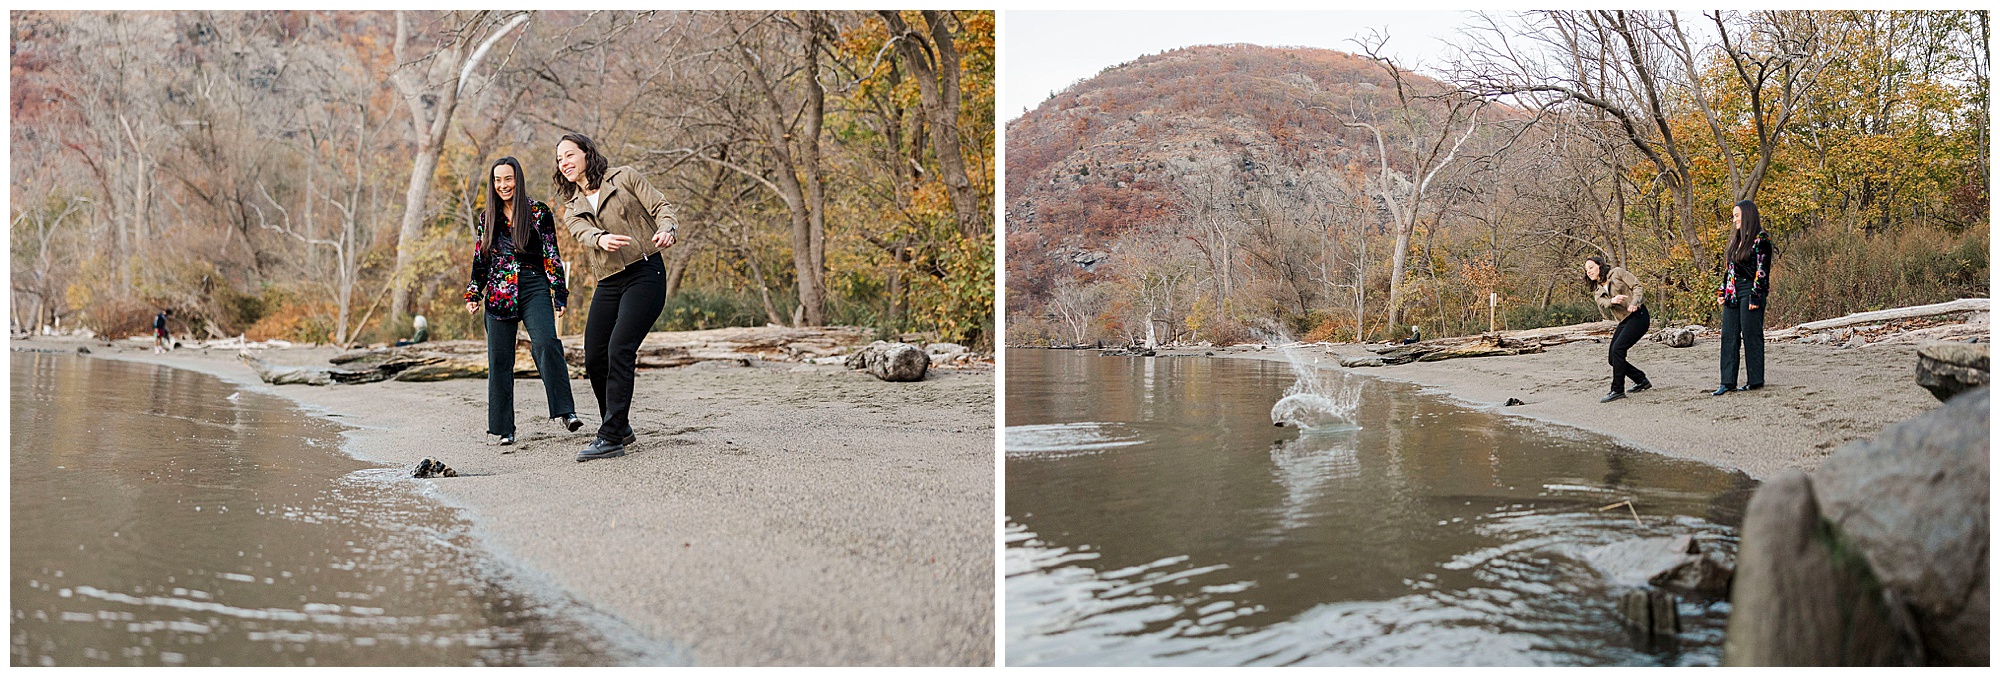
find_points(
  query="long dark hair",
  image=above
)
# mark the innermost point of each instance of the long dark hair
(594, 166)
(1603, 273)
(1741, 239)
(519, 222)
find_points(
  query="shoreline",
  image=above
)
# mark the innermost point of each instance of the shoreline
(1816, 398)
(828, 527)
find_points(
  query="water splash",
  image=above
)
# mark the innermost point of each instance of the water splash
(1320, 400)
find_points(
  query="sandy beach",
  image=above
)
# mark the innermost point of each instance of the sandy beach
(1816, 397)
(776, 514)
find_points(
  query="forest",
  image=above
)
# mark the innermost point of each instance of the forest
(315, 175)
(1231, 193)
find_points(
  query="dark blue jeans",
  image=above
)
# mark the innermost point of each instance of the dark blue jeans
(1745, 327)
(538, 313)
(622, 310)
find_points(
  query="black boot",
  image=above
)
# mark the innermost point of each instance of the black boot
(1615, 395)
(1723, 390)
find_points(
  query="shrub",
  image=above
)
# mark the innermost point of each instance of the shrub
(1556, 315)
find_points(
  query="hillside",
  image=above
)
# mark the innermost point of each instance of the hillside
(1110, 154)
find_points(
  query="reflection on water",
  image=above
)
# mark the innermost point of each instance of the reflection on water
(162, 517)
(1432, 534)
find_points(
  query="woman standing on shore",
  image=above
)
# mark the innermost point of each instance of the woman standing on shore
(1618, 293)
(517, 270)
(626, 223)
(1746, 282)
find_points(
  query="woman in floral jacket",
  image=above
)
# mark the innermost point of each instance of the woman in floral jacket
(518, 272)
(1746, 285)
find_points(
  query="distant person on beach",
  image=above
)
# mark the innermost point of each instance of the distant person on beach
(420, 331)
(1746, 284)
(1416, 335)
(162, 341)
(1619, 293)
(517, 270)
(625, 223)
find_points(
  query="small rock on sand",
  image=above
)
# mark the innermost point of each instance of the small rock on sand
(891, 361)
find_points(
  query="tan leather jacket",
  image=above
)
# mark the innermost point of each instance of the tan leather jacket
(1619, 282)
(627, 205)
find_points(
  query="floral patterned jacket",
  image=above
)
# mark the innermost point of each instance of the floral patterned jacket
(496, 275)
(1753, 283)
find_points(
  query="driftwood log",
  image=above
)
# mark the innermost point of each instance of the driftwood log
(1522, 342)
(441, 360)
(1884, 316)
(742, 344)
(1486, 345)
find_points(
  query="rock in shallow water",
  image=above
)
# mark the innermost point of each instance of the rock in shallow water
(1651, 612)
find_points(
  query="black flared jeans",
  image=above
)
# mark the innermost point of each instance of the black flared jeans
(622, 311)
(1630, 330)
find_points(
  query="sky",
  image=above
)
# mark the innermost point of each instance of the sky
(1047, 51)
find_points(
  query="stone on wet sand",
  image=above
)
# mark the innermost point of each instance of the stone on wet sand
(1947, 369)
(891, 361)
(433, 468)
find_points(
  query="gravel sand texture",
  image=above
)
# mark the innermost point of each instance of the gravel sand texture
(1815, 397)
(777, 514)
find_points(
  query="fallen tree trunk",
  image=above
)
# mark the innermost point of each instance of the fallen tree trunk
(772, 343)
(1488, 345)
(659, 349)
(1880, 316)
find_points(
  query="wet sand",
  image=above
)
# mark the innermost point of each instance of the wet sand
(1815, 398)
(779, 514)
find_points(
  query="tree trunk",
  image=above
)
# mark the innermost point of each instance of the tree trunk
(429, 130)
(1397, 260)
(809, 134)
(812, 299)
(934, 62)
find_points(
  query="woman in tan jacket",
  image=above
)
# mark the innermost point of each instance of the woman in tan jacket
(624, 224)
(1619, 294)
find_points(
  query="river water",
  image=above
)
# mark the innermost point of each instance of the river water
(1156, 517)
(164, 517)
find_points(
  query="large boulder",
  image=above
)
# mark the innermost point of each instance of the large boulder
(1879, 557)
(891, 361)
(1947, 369)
